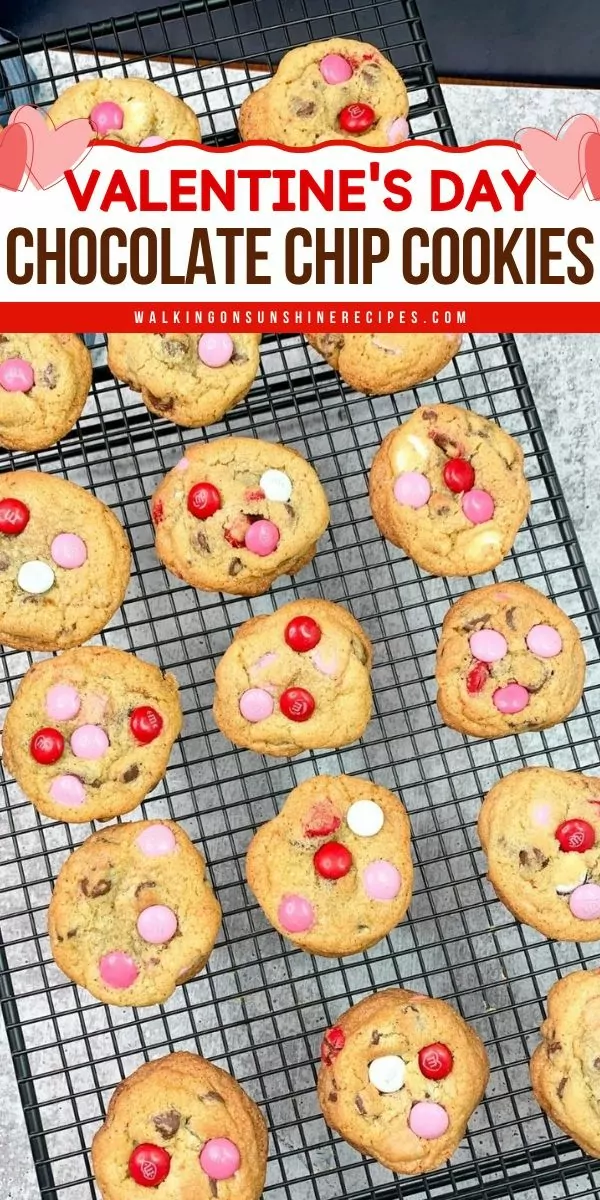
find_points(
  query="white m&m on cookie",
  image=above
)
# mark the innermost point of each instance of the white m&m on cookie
(276, 485)
(365, 818)
(35, 577)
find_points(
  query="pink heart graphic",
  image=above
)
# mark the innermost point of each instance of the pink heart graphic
(54, 150)
(589, 162)
(555, 159)
(16, 148)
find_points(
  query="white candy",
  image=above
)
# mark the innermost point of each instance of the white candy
(365, 818)
(387, 1073)
(35, 577)
(565, 889)
(276, 485)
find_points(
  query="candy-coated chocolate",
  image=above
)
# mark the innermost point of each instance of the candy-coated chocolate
(264, 661)
(67, 790)
(203, 500)
(62, 702)
(381, 880)
(295, 914)
(276, 485)
(477, 678)
(256, 704)
(398, 131)
(387, 1073)
(413, 489)
(149, 1165)
(541, 814)
(297, 704)
(302, 633)
(16, 375)
(459, 475)
(35, 577)
(89, 741)
(145, 724)
(585, 902)
(333, 1042)
(215, 349)
(326, 662)
(68, 551)
(156, 841)
(435, 1061)
(117, 969)
(365, 818)
(428, 1120)
(544, 641)
(357, 118)
(322, 820)
(183, 464)
(107, 117)
(575, 836)
(335, 69)
(478, 506)
(154, 140)
(46, 746)
(488, 645)
(262, 538)
(220, 1158)
(157, 924)
(14, 516)
(512, 698)
(332, 861)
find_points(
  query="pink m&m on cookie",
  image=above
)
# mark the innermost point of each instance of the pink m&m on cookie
(335, 69)
(157, 924)
(413, 489)
(67, 790)
(215, 349)
(256, 704)
(584, 902)
(89, 741)
(156, 841)
(68, 551)
(512, 698)
(487, 645)
(62, 702)
(296, 914)
(16, 375)
(478, 506)
(118, 970)
(544, 641)
(428, 1120)
(398, 131)
(106, 117)
(220, 1158)
(153, 140)
(262, 537)
(382, 880)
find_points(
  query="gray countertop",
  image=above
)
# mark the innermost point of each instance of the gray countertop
(563, 374)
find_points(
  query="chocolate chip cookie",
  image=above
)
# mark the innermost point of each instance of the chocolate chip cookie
(565, 1068)
(378, 363)
(400, 1077)
(508, 661)
(448, 487)
(333, 871)
(540, 830)
(190, 380)
(89, 733)
(186, 1126)
(134, 111)
(133, 913)
(64, 562)
(237, 513)
(340, 88)
(44, 382)
(295, 680)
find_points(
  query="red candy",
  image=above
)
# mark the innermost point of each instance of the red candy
(356, 118)
(149, 1165)
(332, 861)
(575, 835)
(477, 677)
(46, 746)
(14, 516)
(297, 704)
(333, 1042)
(203, 500)
(302, 634)
(435, 1061)
(459, 475)
(158, 512)
(321, 820)
(145, 724)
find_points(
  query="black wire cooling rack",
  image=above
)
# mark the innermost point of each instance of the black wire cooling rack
(260, 1007)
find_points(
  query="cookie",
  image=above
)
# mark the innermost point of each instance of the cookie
(448, 487)
(64, 562)
(333, 871)
(188, 379)
(186, 1126)
(295, 680)
(378, 363)
(540, 830)
(134, 111)
(133, 913)
(337, 89)
(44, 382)
(237, 513)
(508, 661)
(565, 1068)
(89, 733)
(400, 1076)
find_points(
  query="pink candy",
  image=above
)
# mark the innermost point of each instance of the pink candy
(478, 506)
(488, 645)
(382, 880)
(428, 1120)
(68, 551)
(512, 698)
(398, 131)
(157, 924)
(584, 902)
(335, 69)
(541, 814)
(256, 704)
(62, 702)
(215, 349)
(220, 1158)
(544, 641)
(183, 464)
(153, 140)
(67, 790)
(325, 661)
(106, 117)
(295, 914)
(16, 375)
(89, 741)
(262, 538)
(118, 970)
(156, 841)
(413, 489)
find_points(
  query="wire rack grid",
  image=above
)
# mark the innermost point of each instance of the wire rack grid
(260, 1007)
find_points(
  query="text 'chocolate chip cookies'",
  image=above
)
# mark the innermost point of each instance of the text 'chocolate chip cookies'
(134, 111)
(237, 513)
(44, 382)
(448, 487)
(185, 1126)
(333, 871)
(400, 1076)
(377, 363)
(89, 733)
(540, 830)
(565, 1068)
(508, 661)
(295, 680)
(133, 913)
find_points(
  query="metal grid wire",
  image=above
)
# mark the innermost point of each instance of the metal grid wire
(260, 1007)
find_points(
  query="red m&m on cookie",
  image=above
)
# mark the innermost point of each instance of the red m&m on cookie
(356, 118)
(297, 704)
(333, 1042)
(575, 836)
(106, 117)
(332, 861)
(302, 634)
(145, 724)
(435, 1061)
(203, 500)
(459, 475)
(14, 516)
(149, 1165)
(46, 746)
